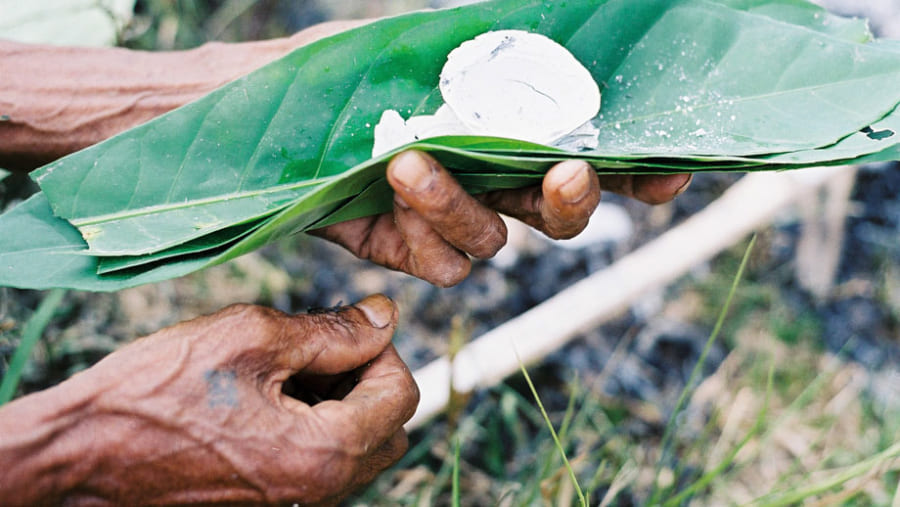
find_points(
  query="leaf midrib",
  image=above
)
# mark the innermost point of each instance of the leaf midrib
(149, 210)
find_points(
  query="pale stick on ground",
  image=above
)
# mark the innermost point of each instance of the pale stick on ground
(751, 203)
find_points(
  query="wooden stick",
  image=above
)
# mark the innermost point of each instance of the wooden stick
(750, 203)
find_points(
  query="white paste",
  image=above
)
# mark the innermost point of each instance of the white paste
(510, 84)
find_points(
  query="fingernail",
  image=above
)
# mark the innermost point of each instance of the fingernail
(684, 187)
(400, 201)
(412, 170)
(378, 309)
(577, 185)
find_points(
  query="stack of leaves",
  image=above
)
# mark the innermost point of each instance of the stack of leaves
(688, 86)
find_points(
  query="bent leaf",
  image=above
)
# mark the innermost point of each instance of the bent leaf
(41, 251)
(689, 85)
(682, 78)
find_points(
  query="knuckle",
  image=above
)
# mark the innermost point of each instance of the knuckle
(534, 202)
(260, 329)
(411, 400)
(442, 204)
(336, 326)
(443, 268)
(248, 312)
(450, 275)
(565, 230)
(351, 445)
(489, 239)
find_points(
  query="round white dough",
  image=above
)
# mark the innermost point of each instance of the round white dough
(519, 85)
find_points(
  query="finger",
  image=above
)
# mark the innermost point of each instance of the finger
(429, 189)
(383, 400)
(571, 193)
(383, 458)
(357, 236)
(649, 188)
(561, 207)
(428, 255)
(338, 341)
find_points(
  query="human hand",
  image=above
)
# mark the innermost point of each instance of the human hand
(196, 413)
(436, 226)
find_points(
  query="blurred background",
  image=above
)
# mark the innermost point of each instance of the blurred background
(799, 396)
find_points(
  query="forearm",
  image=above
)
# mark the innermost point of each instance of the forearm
(46, 447)
(57, 100)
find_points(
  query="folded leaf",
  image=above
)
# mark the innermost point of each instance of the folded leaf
(808, 15)
(41, 251)
(691, 77)
(689, 85)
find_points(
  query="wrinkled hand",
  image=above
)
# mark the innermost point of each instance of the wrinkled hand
(196, 413)
(436, 226)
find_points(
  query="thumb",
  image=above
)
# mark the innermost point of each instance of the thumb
(340, 340)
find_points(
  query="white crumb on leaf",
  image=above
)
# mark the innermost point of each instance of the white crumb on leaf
(511, 84)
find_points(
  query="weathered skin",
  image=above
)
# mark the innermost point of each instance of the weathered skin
(195, 414)
(58, 100)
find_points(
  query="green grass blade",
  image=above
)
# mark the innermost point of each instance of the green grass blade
(32, 332)
(570, 409)
(597, 478)
(556, 441)
(881, 460)
(710, 476)
(695, 373)
(456, 497)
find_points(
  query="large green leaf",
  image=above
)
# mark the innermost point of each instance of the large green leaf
(808, 15)
(41, 251)
(689, 85)
(681, 78)
(738, 84)
(880, 137)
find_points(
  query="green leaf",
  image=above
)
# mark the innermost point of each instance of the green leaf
(681, 79)
(4, 174)
(65, 22)
(737, 84)
(206, 243)
(808, 15)
(41, 251)
(880, 137)
(689, 85)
